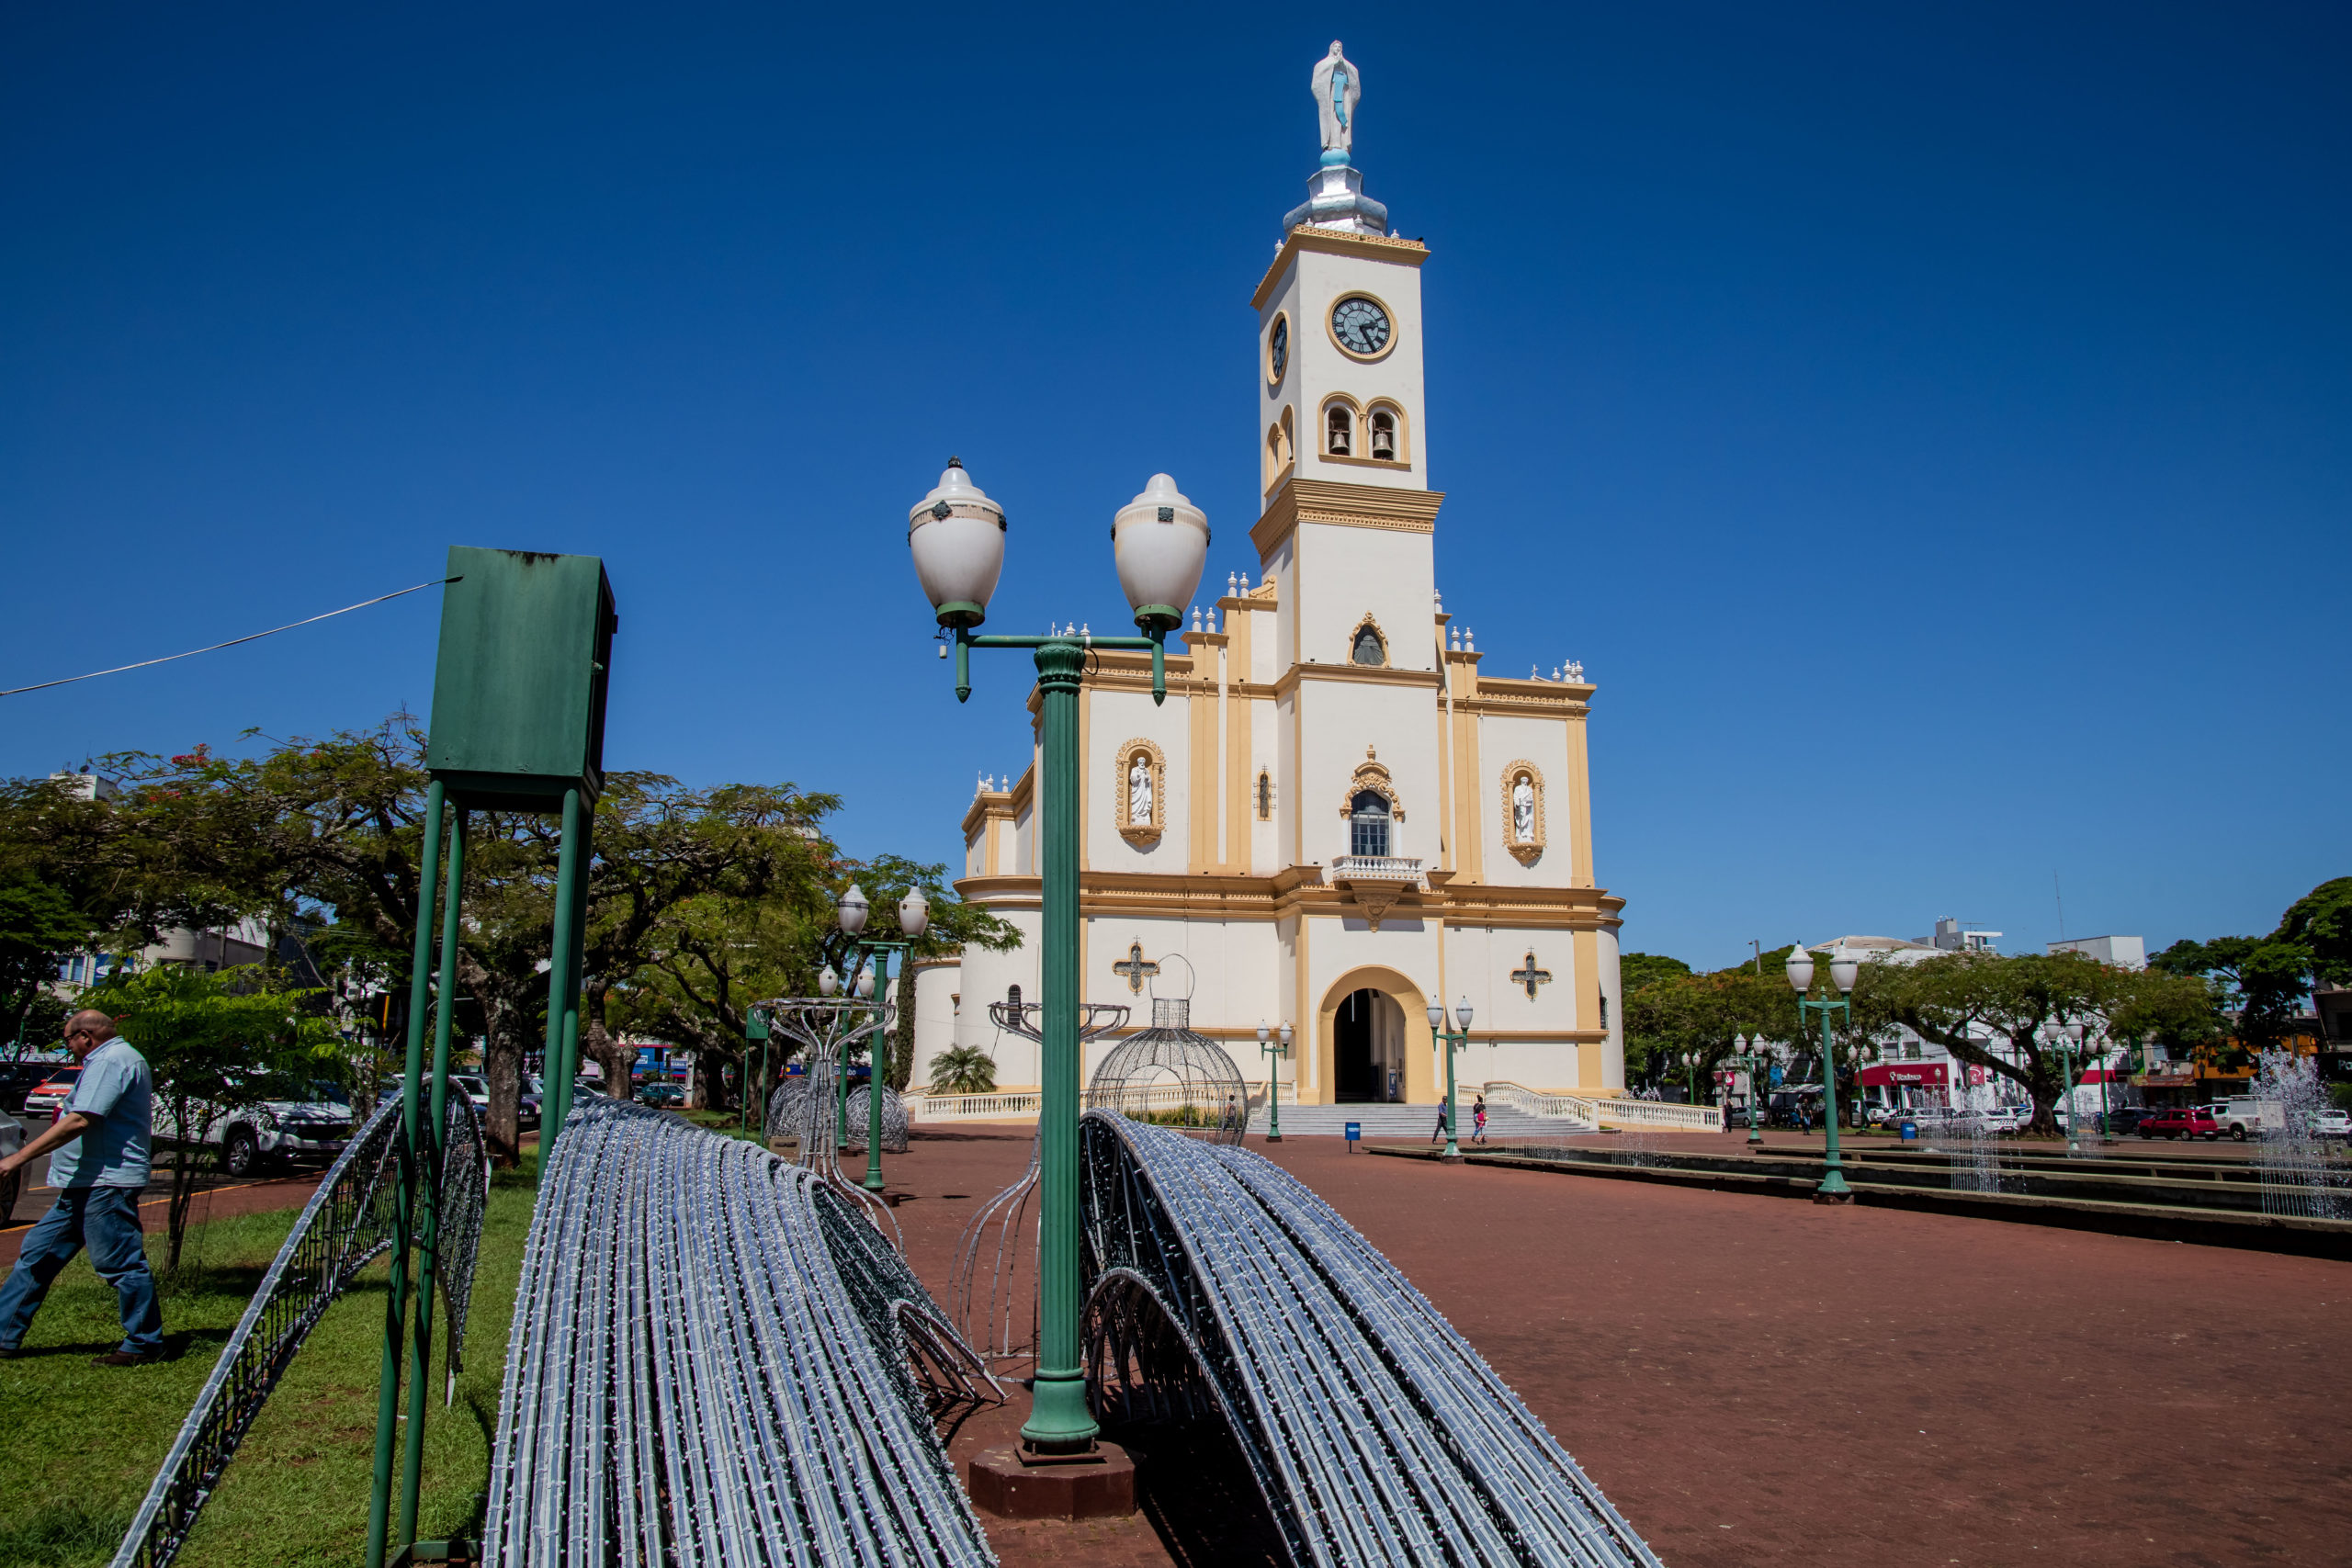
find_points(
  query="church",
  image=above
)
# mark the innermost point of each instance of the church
(1336, 818)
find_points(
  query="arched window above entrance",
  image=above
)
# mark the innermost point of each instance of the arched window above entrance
(1368, 824)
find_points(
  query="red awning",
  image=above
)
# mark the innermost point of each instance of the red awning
(1908, 1074)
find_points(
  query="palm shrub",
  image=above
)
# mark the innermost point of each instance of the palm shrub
(964, 1069)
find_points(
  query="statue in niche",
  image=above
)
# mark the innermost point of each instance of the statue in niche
(1523, 810)
(1338, 86)
(1139, 792)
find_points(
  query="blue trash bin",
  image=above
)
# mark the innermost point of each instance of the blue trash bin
(1910, 1131)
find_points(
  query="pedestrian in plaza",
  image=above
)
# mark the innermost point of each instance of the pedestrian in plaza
(1441, 1124)
(1479, 1120)
(99, 1168)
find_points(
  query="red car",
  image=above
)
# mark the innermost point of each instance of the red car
(2191, 1124)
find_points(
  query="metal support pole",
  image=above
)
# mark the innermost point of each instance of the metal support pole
(876, 1043)
(388, 1394)
(563, 985)
(420, 1366)
(1275, 1096)
(1833, 1188)
(840, 1083)
(1058, 1418)
(1452, 1152)
(1754, 1132)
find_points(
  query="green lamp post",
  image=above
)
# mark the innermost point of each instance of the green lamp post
(1453, 1041)
(1160, 540)
(1275, 1049)
(1843, 971)
(1750, 1046)
(755, 1032)
(914, 918)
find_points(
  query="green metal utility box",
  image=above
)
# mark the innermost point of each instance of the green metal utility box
(518, 692)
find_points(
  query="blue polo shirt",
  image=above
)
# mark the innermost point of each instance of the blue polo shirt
(114, 1090)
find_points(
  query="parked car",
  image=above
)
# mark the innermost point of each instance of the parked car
(2196, 1121)
(2332, 1125)
(42, 1103)
(308, 1128)
(19, 1079)
(661, 1094)
(2124, 1119)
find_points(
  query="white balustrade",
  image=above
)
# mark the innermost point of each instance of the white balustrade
(1377, 868)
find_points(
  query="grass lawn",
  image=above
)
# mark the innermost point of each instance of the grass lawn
(79, 1444)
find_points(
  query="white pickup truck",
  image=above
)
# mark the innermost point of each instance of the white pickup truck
(276, 1132)
(2246, 1118)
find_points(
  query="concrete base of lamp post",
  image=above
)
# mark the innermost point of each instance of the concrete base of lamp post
(1273, 1137)
(1833, 1197)
(1449, 1159)
(1013, 1483)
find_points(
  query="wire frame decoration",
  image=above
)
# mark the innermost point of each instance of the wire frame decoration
(1171, 1076)
(805, 1109)
(346, 1224)
(994, 1295)
(716, 1363)
(1221, 1289)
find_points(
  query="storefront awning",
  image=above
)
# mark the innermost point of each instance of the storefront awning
(1908, 1074)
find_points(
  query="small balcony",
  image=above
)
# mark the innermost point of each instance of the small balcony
(1374, 868)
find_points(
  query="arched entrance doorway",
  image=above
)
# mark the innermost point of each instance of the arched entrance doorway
(1368, 1051)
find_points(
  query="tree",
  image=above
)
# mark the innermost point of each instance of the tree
(1959, 999)
(700, 901)
(214, 1043)
(38, 928)
(2260, 980)
(2321, 923)
(1637, 971)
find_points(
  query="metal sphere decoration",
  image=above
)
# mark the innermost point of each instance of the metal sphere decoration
(1170, 1075)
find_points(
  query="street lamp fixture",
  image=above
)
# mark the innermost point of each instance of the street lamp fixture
(1453, 1041)
(1275, 1045)
(851, 910)
(829, 982)
(1159, 544)
(1750, 1047)
(1843, 972)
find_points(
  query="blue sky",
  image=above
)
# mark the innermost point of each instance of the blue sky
(1927, 425)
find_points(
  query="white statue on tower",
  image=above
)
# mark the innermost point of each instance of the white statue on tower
(1338, 86)
(1523, 810)
(1139, 793)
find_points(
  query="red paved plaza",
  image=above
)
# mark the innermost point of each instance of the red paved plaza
(1754, 1379)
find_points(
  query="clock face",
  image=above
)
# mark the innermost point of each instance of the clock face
(1361, 325)
(1278, 348)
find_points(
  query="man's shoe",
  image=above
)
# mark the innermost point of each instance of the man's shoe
(121, 1359)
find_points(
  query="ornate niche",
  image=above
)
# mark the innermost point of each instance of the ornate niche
(1522, 784)
(1368, 644)
(1140, 787)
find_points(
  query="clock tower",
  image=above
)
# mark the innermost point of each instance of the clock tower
(1335, 819)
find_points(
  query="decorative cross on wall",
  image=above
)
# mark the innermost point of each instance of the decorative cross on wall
(1531, 977)
(1136, 967)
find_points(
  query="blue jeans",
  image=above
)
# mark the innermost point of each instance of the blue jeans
(105, 1219)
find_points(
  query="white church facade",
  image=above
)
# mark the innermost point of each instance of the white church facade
(1336, 817)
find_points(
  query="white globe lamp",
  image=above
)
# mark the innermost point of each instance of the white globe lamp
(957, 536)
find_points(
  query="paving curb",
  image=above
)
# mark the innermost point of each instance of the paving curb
(2259, 1233)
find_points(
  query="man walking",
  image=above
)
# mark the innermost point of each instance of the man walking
(99, 1179)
